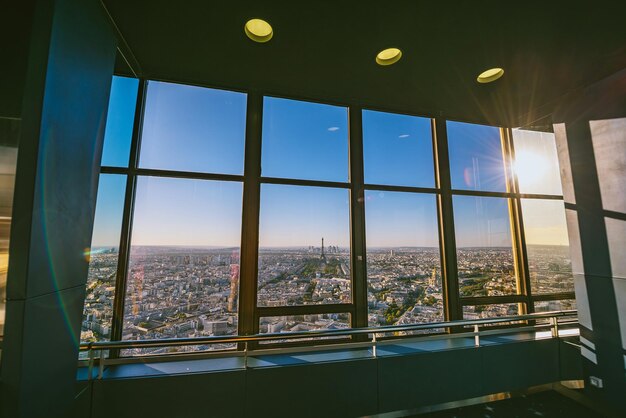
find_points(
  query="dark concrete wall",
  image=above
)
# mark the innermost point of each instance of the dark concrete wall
(590, 129)
(70, 64)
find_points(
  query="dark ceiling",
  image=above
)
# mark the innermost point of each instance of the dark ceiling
(324, 51)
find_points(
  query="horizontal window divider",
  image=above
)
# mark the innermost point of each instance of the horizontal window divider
(480, 193)
(540, 196)
(265, 311)
(409, 189)
(552, 296)
(299, 182)
(491, 300)
(114, 170)
(615, 215)
(151, 172)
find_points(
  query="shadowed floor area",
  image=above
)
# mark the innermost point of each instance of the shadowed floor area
(548, 404)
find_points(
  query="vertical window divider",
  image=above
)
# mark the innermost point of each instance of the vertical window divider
(445, 216)
(248, 321)
(117, 322)
(517, 226)
(357, 218)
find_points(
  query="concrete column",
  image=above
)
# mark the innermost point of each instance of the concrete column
(68, 79)
(591, 139)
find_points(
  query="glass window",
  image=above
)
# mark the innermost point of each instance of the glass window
(403, 260)
(555, 305)
(188, 128)
(302, 323)
(120, 119)
(183, 277)
(103, 257)
(304, 246)
(397, 150)
(484, 246)
(536, 162)
(490, 311)
(304, 140)
(547, 245)
(476, 161)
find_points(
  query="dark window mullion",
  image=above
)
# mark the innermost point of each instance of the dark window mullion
(357, 217)
(125, 236)
(519, 238)
(248, 321)
(445, 215)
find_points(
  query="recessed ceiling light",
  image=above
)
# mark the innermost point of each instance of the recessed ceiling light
(388, 56)
(258, 30)
(490, 75)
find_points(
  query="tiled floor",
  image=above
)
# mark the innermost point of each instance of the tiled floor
(548, 404)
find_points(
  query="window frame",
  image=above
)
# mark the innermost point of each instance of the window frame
(249, 314)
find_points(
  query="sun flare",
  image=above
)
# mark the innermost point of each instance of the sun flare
(530, 168)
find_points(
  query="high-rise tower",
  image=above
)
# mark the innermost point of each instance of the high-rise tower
(323, 257)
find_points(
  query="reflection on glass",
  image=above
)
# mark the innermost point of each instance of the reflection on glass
(183, 277)
(403, 260)
(8, 163)
(190, 128)
(476, 161)
(547, 245)
(120, 118)
(490, 311)
(397, 150)
(105, 241)
(536, 162)
(304, 140)
(302, 323)
(484, 246)
(555, 305)
(304, 246)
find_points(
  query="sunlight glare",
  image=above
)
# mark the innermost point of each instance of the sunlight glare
(530, 168)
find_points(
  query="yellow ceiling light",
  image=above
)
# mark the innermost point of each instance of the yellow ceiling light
(490, 75)
(388, 56)
(258, 30)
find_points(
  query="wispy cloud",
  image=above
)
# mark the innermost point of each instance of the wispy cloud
(404, 136)
(333, 128)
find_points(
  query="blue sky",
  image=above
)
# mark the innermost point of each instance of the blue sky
(190, 128)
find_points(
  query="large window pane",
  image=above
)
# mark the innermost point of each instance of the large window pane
(304, 140)
(476, 161)
(490, 311)
(555, 305)
(484, 246)
(301, 323)
(304, 246)
(120, 120)
(105, 241)
(190, 128)
(403, 261)
(547, 245)
(536, 162)
(397, 150)
(183, 278)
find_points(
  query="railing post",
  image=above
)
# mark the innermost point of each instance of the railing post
(245, 355)
(101, 364)
(90, 367)
(476, 336)
(374, 345)
(554, 321)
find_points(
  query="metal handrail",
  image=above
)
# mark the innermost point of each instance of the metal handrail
(171, 342)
